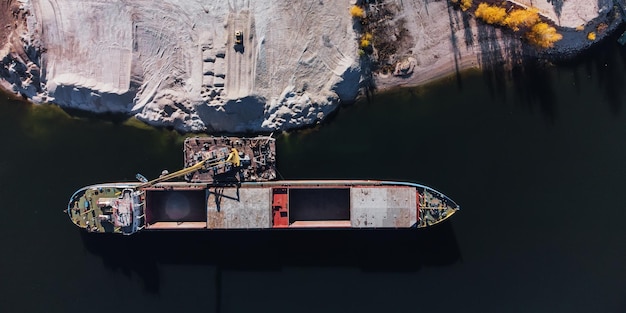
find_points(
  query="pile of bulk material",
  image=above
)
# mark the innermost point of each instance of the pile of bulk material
(179, 63)
(254, 66)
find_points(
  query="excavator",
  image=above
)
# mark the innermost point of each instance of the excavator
(233, 158)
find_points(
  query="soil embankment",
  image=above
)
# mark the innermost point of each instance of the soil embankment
(181, 64)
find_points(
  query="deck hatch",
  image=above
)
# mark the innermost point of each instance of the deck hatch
(323, 204)
(175, 206)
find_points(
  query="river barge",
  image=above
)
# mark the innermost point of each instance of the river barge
(128, 208)
(229, 184)
(257, 156)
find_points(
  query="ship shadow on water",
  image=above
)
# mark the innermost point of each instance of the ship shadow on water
(406, 250)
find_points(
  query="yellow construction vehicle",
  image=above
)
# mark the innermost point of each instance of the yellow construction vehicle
(238, 37)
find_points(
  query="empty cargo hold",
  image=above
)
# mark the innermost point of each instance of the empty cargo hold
(181, 208)
(325, 204)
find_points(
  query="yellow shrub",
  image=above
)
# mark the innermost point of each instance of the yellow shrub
(543, 35)
(466, 4)
(591, 36)
(366, 40)
(357, 11)
(491, 14)
(521, 18)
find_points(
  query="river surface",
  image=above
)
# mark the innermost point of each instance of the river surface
(535, 159)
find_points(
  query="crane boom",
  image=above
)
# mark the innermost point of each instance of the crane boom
(233, 158)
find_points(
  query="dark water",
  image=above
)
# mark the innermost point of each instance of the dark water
(535, 159)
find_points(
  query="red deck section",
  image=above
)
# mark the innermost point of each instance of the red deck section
(417, 205)
(280, 208)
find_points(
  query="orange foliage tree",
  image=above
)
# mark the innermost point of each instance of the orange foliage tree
(540, 34)
(591, 36)
(366, 40)
(491, 14)
(357, 11)
(522, 18)
(464, 4)
(543, 35)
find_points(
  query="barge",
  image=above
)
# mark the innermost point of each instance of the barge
(237, 190)
(257, 157)
(128, 208)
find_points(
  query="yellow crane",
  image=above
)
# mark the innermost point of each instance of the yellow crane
(233, 157)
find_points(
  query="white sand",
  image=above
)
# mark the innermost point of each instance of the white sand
(175, 63)
(445, 43)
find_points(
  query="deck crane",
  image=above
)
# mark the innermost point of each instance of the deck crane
(233, 157)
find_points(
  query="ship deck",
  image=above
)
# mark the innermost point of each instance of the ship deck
(220, 207)
(104, 209)
(124, 208)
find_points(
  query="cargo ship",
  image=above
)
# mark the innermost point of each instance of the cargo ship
(230, 184)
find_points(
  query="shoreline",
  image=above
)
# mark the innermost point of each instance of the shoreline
(573, 45)
(321, 80)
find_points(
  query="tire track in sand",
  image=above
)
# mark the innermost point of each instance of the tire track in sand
(240, 58)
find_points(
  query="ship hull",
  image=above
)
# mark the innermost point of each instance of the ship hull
(325, 204)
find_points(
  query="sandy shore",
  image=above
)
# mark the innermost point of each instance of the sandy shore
(447, 47)
(179, 64)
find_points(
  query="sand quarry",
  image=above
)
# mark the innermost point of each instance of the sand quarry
(178, 63)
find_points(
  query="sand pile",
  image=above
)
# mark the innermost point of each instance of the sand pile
(179, 63)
